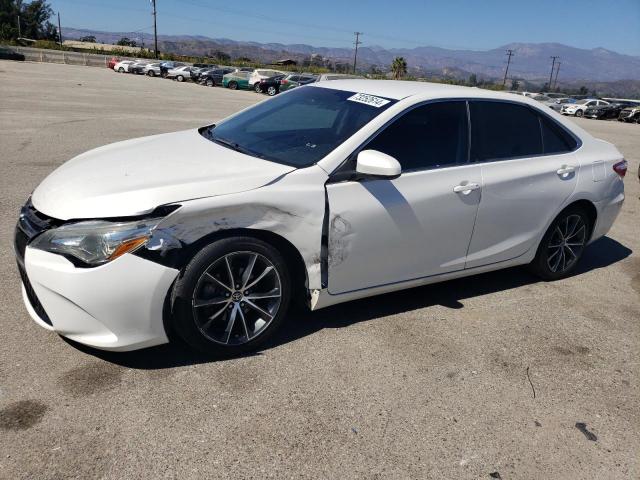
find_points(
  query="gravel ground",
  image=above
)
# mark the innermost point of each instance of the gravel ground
(486, 377)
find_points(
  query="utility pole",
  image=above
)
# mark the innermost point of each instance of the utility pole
(553, 64)
(355, 55)
(506, 70)
(59, 29)
(555, 82)
(19, 31)
(155, 29)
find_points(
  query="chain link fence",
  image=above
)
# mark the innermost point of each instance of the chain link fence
(60, 56)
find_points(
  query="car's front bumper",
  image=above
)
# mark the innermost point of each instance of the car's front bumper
(115, 306)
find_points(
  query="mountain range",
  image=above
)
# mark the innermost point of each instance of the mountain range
(531, 61)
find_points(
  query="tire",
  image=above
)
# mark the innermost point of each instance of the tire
(256, 87)
(121, 70)
(151, 73)
(218, 318)
(579, 113)
(232, 85)
(180, 78)
(271, 91)
(210, 83)
(563, 244)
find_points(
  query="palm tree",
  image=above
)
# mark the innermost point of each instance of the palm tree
(399, 67)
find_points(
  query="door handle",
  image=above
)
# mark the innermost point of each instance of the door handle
(565, 170)
(466, 189)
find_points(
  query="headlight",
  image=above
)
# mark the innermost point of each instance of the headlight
(96, 242)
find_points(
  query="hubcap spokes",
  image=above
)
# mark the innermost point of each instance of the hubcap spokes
(566, 243)
(236, 298)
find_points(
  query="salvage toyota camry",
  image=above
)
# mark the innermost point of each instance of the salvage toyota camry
(327, 193)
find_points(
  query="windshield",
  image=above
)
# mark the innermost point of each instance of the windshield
(299, 127)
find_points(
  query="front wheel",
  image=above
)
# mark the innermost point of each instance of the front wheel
(256, 87)
(180, 78)
(232, 85)
(562, 245)
(121, 70)
(151, 73)
(232, 296)
(579, 113)
(210, 83)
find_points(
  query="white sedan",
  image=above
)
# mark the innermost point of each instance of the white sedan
(324, 194)
(123, 66)
(578, 108)
(180, 73)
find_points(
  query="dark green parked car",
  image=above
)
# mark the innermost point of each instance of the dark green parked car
(236, 80)
(295, 80)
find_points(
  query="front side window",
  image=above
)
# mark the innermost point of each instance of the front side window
(297, 128)
(503, 130)
(429, 136)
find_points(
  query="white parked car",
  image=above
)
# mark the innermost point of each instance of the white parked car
(123, 66)
(180, 73)
(261, 74)
(152, 69)
(578, 108)
(328, 193)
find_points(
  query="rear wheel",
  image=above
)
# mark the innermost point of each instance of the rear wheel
(579, 113)
(256, 87)
(562, 245)
(232, 85)
(180, 78)
(121, 70)
(210, 83)
(151, 73)
(271, 91)
(231, 297)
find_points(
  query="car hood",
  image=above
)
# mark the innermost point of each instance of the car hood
(136, 176)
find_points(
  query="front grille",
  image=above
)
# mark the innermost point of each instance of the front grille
(33, 298)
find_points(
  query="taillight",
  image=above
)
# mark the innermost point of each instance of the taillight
(621, 168)
(284, 82)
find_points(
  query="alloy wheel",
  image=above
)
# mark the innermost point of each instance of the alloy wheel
(566, 243)
(271, 91)
(236, 298)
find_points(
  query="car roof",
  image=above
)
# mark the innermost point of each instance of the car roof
(399, 89)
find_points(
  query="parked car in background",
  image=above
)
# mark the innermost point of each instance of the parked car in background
(630, 114)
(559, 102)
(213, 78)
(295, 80)
(237, 80)
(180, 73)
(324, 195)
(270, 86)
(603, 112)
(336, 76)
(261, 74)
(554, 95)
(152, 69)
(138, 67)
(577, 109)
(123, 66)
(112, 61)
(166, 66)
(200, 68)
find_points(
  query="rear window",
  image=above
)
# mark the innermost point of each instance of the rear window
(503, 130)
(555, 139)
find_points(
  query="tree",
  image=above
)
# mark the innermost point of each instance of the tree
(583, 90)
(473, 80)
(515, 84)
(220, 56)
(34, 20)
(127, 42)
(88, 39)
(399, 67)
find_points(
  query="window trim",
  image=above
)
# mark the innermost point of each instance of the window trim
(342, 170)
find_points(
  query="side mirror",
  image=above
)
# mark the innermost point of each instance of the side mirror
(377, 164)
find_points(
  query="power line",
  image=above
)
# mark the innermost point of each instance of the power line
(506, 70)
(355, 54)
(553, 64)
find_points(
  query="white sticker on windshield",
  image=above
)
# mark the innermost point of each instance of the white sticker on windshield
(368, 100)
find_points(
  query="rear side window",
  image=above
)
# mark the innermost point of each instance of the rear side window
(503, 130)
(554, 138)
(429, 136)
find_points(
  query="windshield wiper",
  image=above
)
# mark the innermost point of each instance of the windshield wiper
(235, 146)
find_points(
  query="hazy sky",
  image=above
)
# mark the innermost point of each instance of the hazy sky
(465, 24)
